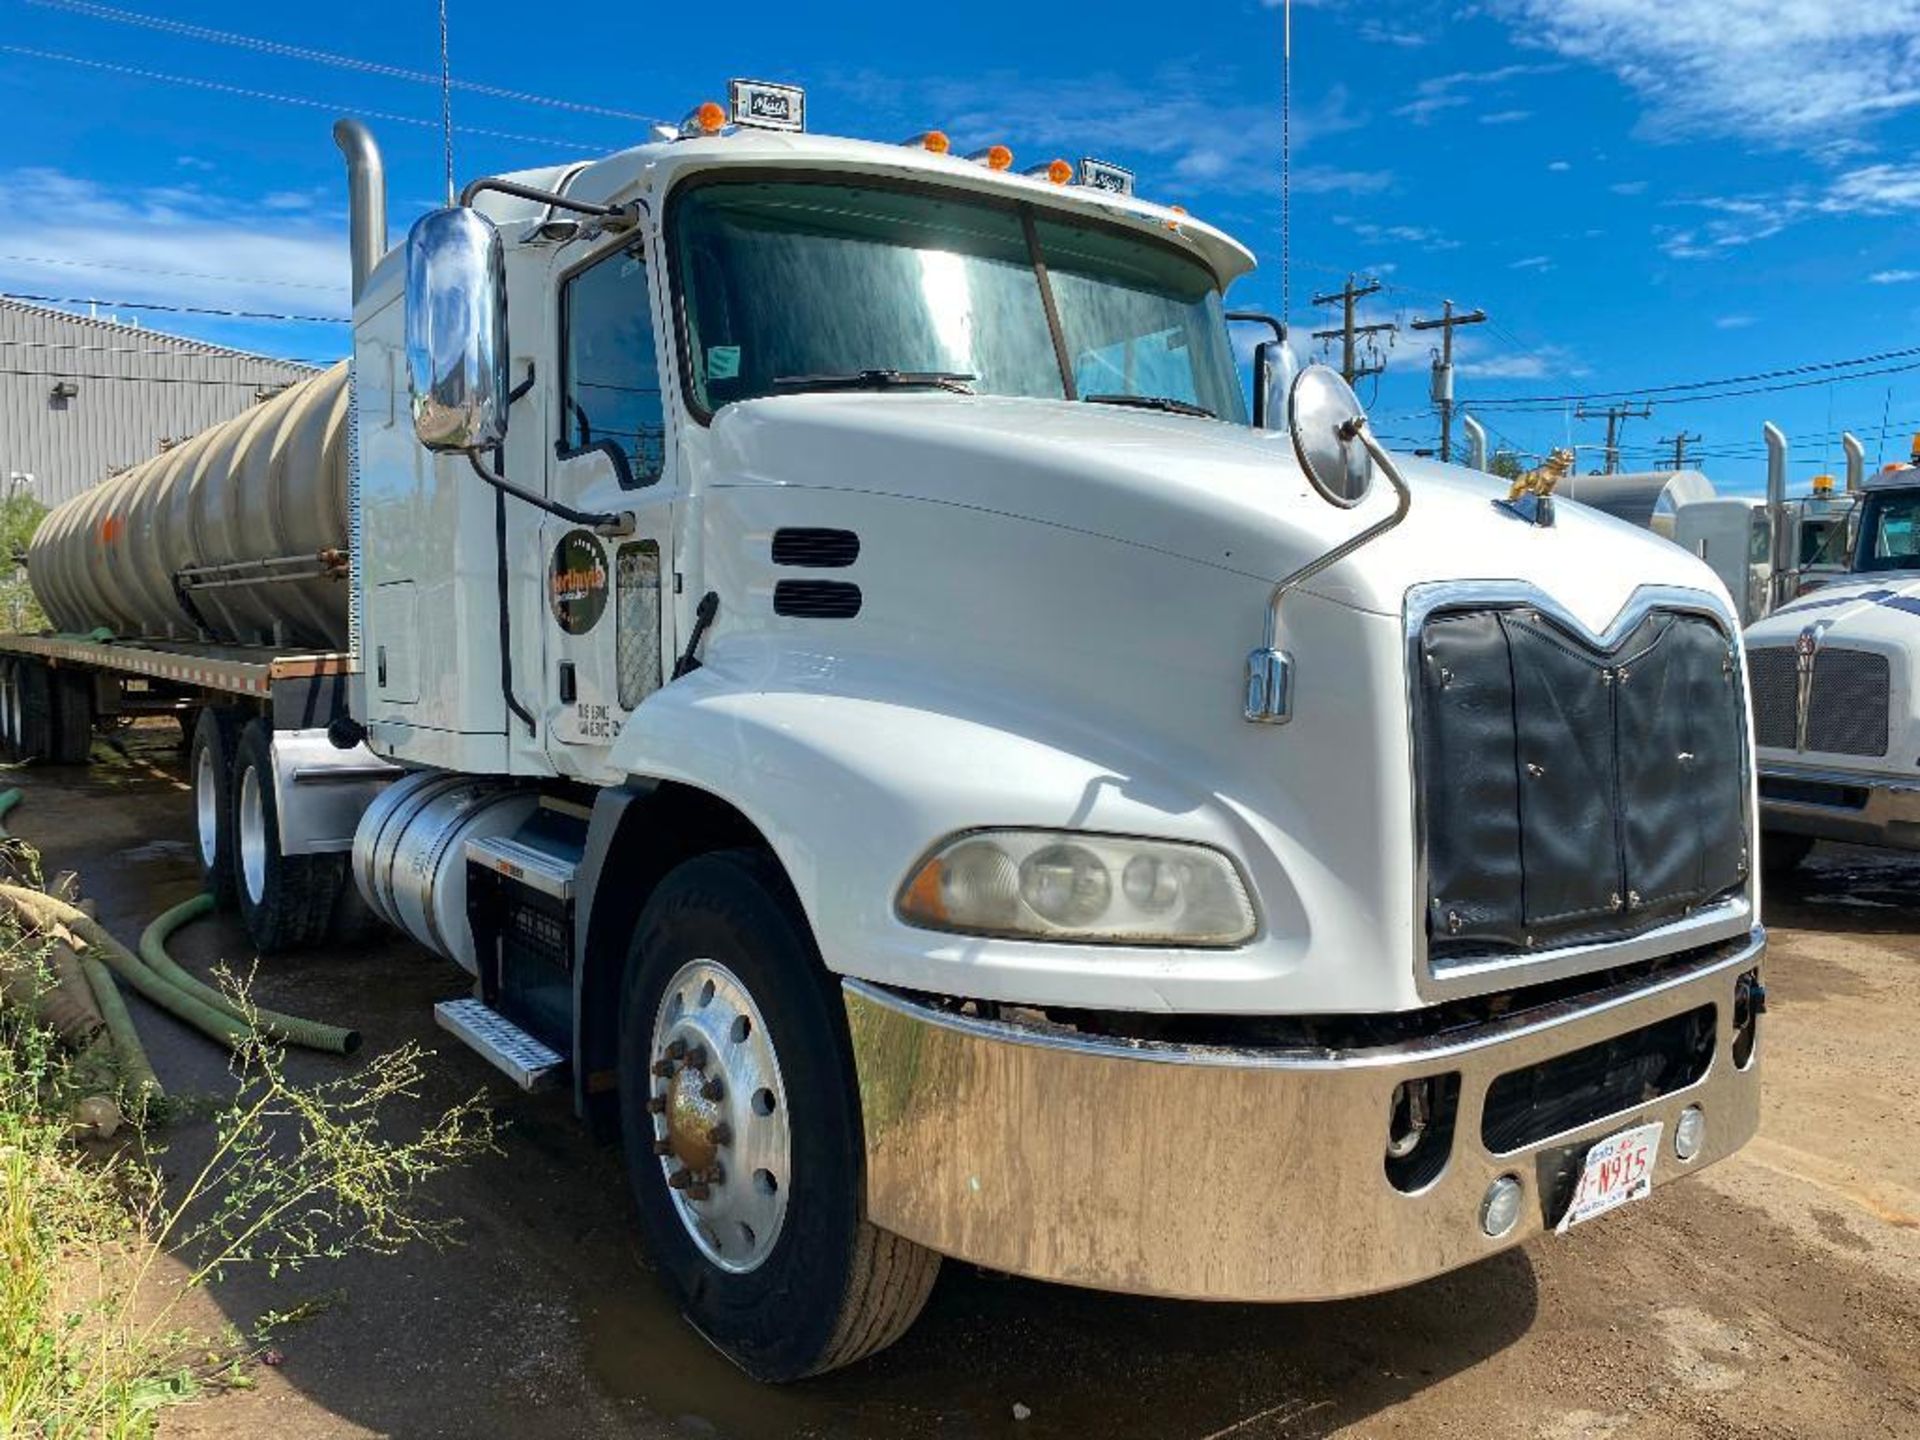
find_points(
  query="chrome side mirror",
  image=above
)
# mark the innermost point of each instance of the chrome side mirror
(1326, 419)
(457, 331)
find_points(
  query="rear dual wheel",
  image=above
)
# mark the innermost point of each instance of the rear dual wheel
(742, 1129)
(45, 714)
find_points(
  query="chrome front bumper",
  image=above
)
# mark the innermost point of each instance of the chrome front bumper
(1238, 1174)
(1861, 809)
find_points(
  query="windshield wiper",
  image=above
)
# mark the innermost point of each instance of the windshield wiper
(1164, 403)
(953, 380)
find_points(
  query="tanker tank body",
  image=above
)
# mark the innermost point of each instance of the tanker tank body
(238, 535)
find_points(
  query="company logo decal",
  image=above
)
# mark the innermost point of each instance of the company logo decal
(577, 581)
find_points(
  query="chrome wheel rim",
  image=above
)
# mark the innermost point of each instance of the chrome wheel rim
(252, 836)
(719, 1111)
(206, 808)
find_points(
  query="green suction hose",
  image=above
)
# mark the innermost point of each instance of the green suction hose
(136, 1070)
(291, 1029)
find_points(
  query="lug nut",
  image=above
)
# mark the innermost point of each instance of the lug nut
(713, 1089)
(656, 1105)
(679, 1180)
(697, 1058)
(676, 1049)
(697, 1191)
(722, 1134)
(715, 1175)
(663, 1148)
(663, 1068)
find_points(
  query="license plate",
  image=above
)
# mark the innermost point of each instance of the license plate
(1618, 1169)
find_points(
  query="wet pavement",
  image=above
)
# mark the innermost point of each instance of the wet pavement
(1778, 1295)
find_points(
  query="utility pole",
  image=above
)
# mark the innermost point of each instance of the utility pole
(1348, 296)
(1679, 443)
(1613, 415)
(1445, 323)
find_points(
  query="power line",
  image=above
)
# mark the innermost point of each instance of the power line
(193, 82)
(175, 309)
(1446, 323)
(327, 57)
(271, 382)
(1819, 367)
(166, 274)
(1347, 296)
(164, 351)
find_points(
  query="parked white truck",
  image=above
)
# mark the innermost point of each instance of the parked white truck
(880, 720)
(1836, 717)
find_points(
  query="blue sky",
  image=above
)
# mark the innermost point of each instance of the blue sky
(1639, 192)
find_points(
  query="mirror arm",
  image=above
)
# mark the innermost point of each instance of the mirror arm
(597, 520)
(1355, 427)
(629, 214)
(1259, 317)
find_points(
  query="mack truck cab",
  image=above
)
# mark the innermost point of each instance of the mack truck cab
(936, 771)
(1836, 715)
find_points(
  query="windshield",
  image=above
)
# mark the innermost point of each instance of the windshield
(1890, 532)
(788, 281)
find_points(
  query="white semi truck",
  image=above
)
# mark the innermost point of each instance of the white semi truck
(814, 629)
(1836, 714)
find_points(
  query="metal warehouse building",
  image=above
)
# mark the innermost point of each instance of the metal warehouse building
(82, 397)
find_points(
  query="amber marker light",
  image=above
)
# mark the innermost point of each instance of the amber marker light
(994, 157)
(933, 141)
(710, 117)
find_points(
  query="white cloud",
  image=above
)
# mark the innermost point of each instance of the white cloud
(1733, 322)
(1373, 233)
(1533, 262)
(170, 245)
(1629, 187)
(1732, 221)
(1506, 117)
(1327, 180)
(1894, 277)
(1477, 357)
(1558, 167)
(1439, 93)
(1787, 71)
(1372, 32)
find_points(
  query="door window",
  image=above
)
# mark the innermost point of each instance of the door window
(610, 388)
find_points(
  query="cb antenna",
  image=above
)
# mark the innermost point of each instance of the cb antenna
(1286, 163)
(446, 102)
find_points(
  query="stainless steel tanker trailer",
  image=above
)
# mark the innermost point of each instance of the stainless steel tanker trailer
(212, 582)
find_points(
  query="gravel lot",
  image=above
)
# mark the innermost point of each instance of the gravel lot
(1777, 1295)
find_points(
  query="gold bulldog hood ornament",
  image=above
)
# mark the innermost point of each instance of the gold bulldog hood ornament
(1531, 498)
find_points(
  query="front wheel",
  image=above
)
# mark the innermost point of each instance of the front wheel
(742, 1129)
(285, 900)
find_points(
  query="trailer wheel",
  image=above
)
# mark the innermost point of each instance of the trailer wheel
(10, 707)
(72, 717)
(33, 733)
(285, 900)
(210, 760)
(742, 1129)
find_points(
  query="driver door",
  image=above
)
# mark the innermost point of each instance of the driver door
(607, 626)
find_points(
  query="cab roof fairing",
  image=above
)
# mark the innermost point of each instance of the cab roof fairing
(648, 172)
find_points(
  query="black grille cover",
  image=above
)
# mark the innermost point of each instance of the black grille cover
(816, 599)
(1573, 795)
(815, 548)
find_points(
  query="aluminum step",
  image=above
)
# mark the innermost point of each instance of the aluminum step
(500, 1042)
(539, 869)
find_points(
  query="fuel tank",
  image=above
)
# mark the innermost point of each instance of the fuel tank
(238, 534)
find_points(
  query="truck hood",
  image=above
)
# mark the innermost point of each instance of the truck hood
(1208, 491)
(1883, 605)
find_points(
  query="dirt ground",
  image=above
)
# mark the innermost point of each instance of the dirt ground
(1776, 1295)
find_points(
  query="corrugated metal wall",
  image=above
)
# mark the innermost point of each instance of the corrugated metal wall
(133, 388)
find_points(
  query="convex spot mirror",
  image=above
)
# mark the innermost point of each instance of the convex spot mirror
(457, 331)
(1325, 417)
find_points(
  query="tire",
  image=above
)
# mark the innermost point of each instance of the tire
(829, 1288)
(210, 758)
(10, 708)
(33, 737)
(72, 717)
(1781, 854)
(284, 900)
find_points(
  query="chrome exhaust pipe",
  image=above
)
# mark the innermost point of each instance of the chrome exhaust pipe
(1856, 461)
(366, 198)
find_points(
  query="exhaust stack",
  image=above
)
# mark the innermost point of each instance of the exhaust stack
(1856, 461)
(366, 198)
(1780, 556)
(1476, 442)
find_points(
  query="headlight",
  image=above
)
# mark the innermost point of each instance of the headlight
(1051, 885)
